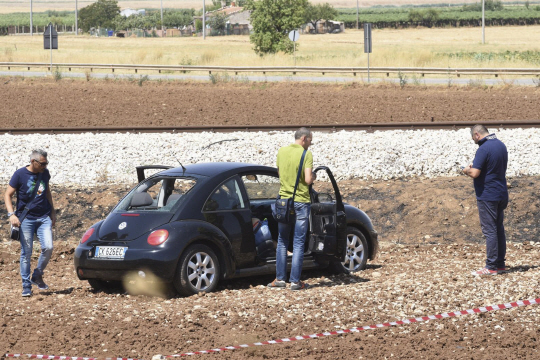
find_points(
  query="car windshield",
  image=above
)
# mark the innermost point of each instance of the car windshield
(160, 193)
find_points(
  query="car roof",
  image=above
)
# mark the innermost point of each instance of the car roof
(215, 168)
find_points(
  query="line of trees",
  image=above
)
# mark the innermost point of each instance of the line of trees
(442, 17)
(106, 14)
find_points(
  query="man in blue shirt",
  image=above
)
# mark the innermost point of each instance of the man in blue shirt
(39, 220)
(489, 173)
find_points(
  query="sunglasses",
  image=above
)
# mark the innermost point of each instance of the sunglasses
(42, 163)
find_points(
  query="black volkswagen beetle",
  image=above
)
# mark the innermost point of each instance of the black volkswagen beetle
(192, 226)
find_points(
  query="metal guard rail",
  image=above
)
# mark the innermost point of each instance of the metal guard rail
(285, 69)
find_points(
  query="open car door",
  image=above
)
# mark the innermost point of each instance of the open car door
(328, 236)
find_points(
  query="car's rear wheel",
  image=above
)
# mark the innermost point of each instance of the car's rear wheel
(103, 285)
(357, 251)
(198, 271)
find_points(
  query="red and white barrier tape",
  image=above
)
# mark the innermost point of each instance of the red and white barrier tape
(358, 329)
(312, 336)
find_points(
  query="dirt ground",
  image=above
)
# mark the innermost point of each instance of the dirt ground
(429, 228)
(37, 103)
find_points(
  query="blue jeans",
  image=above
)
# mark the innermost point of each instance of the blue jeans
(300, 230)
(491, 220)
(43, 228)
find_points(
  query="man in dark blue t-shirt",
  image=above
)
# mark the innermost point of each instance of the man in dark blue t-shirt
(39, 219)
(489, 173)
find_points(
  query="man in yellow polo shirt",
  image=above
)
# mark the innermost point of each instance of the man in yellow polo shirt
(288, 161)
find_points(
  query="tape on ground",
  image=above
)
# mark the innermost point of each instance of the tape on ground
(358, 329)
(304, 337)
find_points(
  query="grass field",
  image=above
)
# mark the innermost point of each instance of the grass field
(452, 47)
(9, 6)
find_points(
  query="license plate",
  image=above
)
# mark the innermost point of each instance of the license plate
(110, 252)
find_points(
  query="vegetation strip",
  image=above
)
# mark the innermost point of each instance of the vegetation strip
(482, 309)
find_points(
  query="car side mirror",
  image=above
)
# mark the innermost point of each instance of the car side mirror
(141, 199)
(251, 177)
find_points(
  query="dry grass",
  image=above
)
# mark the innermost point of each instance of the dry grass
(409, 47)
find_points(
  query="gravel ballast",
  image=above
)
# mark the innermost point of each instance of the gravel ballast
(91, 159)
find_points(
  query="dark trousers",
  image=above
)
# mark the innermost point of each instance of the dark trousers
(491, 219)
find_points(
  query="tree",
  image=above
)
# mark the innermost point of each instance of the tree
(272, 20)
(198, 25)
(315, 13)
(101, 13)
(218, 22)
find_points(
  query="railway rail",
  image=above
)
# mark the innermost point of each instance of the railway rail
(268, 128)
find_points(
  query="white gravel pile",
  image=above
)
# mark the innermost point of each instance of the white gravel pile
(90, 159)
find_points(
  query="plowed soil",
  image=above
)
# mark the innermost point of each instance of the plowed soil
(430, 239)
(34, 103)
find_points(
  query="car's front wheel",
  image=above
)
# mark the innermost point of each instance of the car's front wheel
(198, 271)
(357, 251)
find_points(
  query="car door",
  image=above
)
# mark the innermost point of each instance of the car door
(328, 224)
(228, 209)
(262, 188)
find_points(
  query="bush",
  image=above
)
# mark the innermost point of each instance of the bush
(57, 74)
(427, 17)
(490, 5)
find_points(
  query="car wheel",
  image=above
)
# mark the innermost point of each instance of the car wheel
(198, 271)
(103, 285)
(357, 251)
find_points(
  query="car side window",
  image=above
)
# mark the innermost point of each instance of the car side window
(226, 197)
(261, 186)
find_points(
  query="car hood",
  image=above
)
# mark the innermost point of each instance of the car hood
(129, 226)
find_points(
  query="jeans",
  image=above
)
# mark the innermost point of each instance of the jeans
(43, 228)
(491, 220)
(300, 223)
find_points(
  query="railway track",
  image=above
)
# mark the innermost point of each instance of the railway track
(269, 128)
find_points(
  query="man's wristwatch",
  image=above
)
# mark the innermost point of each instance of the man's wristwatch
(9, 214)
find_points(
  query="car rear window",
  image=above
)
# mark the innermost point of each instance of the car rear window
(157, 194)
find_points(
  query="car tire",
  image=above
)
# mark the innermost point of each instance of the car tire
(356, 253)
(198, 271)
(103, 285)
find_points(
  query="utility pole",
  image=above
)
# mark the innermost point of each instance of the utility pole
(203, 20)
(76, 17)
(31, 20)
(483, 22)
(161, 17)
(357, 15)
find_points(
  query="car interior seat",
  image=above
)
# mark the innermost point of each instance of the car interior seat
(172, 199)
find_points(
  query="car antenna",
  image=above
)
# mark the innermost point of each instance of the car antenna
(183, 168)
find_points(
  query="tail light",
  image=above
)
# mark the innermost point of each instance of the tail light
(158, 237)
(87, 235)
